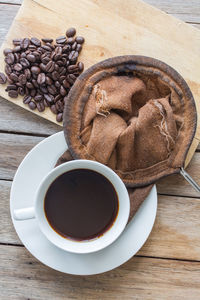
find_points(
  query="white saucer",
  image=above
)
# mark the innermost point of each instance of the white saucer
(38, 162)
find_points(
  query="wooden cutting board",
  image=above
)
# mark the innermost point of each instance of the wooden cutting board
(111, 28)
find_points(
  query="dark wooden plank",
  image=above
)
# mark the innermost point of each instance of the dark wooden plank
(16, 119)
(23, 277)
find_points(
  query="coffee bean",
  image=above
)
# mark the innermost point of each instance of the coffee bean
(80, 66)
(38, 98)
(72, 68)
(50, 66)
(43, 67)
(40, 106)
(33, 92)
(58, 50)
(17, 42)
(29, 85)
(10, 58)
(70, 41)
(27, 99)
(62, 71)
(66, 84)
(32, 105)
(31, 58)
(46, 40)
(17, 67)
(6, 51)
(66, 49)
(22, 79)
(35, 41)
(70, 32)
(59, 117)
(71, 78)
(8, 70)
(57, 84)
(35, 70)
(63, 91)
(57, 98)
(47, 48)
(25, 43)
(50, 45)
(59, 106)
(74, 45)
(56, 67)
(52, 89)
(79, 48)
(46, 103)
(61, 40)
(14, 77)
(3, 78)
(41, 78)
(24, 62)
(23, 55)
(59, 63)
(36, 54)
(27, 73)
(54, 109)
(48, 80)
(43, 89)
(11, 87)
(55, 75)
(62, 78)
(34, 82)
(17, 49)
(13, 93)
(48, 98)
(73, 55)
(32, 48)
(21, 91)
(80, 39)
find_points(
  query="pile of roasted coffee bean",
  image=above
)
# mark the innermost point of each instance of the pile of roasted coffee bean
(42, 71)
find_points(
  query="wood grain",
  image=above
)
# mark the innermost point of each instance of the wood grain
(7, 14)
(175, 233)
(23, 277)
(161, 40)
(13, 148)
(15, 119)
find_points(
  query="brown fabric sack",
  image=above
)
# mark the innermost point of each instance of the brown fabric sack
(134, 114)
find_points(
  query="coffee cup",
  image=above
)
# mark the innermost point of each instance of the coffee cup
(86, 245)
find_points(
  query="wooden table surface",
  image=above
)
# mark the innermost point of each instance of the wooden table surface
(167, 266)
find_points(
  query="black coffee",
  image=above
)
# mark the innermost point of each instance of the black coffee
(81, 204)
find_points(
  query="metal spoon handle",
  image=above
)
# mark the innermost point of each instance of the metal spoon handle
(190, 180)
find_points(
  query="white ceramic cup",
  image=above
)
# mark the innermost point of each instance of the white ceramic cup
(85, 246)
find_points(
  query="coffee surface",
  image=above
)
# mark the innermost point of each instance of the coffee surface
(81, 204)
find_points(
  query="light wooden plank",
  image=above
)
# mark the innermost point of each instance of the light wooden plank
(13, 148)
(23, 277)
(175, 233)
